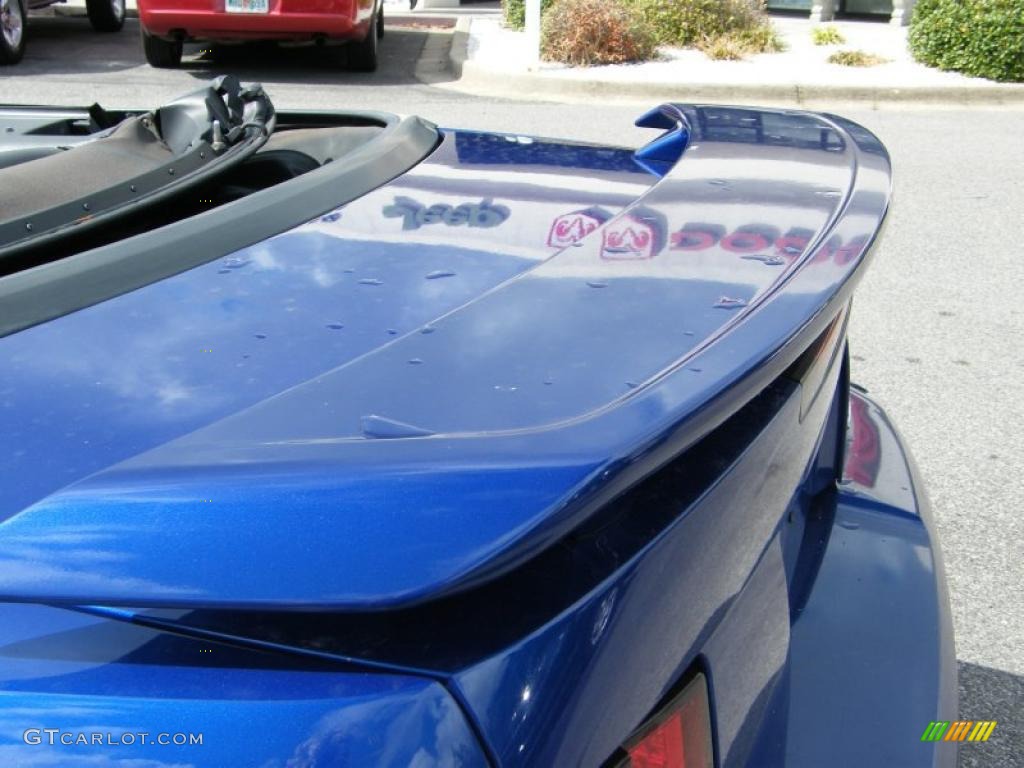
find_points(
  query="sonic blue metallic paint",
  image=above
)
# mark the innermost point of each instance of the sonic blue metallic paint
(236, 414)
(82, 674)
(572, 371)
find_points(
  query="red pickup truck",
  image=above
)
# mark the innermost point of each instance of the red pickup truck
(167, 24)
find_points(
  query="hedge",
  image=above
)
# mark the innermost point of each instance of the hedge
(688, 22)
(982, 38)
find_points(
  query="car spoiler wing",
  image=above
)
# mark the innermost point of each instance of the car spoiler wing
(445, 459)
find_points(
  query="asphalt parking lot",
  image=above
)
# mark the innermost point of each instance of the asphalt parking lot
(937, 334)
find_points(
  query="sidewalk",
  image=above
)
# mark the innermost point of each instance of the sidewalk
(488, 58)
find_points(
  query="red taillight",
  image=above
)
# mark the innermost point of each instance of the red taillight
(679, 736)
(662, 747)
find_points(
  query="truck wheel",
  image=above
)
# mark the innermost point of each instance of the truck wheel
(380, 22)
(12, 31)
(105, 15)
(165, 54)
(362, 56)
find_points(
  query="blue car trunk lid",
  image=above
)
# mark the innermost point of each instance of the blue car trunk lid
(431, 385)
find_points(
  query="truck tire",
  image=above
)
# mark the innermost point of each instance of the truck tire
(105, 15)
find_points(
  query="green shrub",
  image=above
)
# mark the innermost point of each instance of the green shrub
(983, 38)
(856, 59)
(588, 32)
(514, 11)
(689, 22)
(827, 36)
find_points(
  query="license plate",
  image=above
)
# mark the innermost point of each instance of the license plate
(247, 6)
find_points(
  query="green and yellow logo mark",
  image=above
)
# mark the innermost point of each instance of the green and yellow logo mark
(958, 730)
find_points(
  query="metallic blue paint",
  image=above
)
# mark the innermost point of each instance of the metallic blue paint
(870, 650)
(566, 378)
(877, 631)
(395, 449)
(83, 674)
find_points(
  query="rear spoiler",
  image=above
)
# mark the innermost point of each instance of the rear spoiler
(382, 484)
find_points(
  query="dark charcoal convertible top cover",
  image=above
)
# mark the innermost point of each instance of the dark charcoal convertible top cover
(136, 163)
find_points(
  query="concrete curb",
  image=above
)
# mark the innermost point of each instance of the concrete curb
(472, 77)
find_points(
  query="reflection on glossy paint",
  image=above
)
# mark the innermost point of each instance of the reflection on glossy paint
(637, 235)
(414, 214)
(863, 454)
(677, 325)
(604, 613)
(571, 227)
(496, 149)
(86, 674)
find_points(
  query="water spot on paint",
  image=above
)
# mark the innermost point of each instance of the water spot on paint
(260, 335)
(849, 525)
(415, 361)
(596, 284)
(427, 330)
(371, 281)
(437, 274)
(727, 302)
(335, 326)
(769, 261)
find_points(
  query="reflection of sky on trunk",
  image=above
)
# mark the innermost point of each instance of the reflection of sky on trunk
(105, 383)
(598, 320)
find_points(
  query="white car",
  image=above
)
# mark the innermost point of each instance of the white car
(104, 15)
